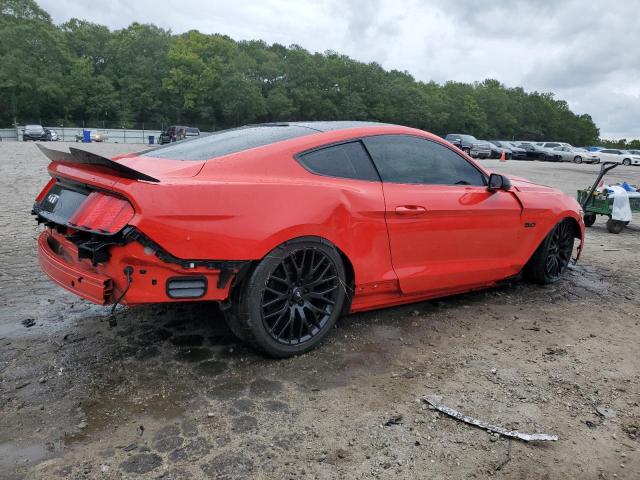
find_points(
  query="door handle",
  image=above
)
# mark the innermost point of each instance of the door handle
(410, 210)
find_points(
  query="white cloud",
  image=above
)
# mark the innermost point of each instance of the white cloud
(584, 52)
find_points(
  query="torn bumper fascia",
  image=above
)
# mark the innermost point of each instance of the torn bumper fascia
(579, 248)
(72, 258)
(578, 252)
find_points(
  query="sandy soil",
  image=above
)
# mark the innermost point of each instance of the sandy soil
(169, 393)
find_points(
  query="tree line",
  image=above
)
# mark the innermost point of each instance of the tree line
(82, 72)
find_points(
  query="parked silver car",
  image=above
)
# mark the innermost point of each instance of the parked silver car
(576, 155)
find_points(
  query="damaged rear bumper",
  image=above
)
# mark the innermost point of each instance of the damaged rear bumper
(92, 286)
(102, 272)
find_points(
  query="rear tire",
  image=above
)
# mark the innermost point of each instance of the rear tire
(615, 226)
(291, 300)
(552, 257)
(589, 219)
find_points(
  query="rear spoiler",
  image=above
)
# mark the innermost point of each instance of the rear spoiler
(83, 157)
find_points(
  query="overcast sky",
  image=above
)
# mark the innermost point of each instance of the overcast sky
(585, 51)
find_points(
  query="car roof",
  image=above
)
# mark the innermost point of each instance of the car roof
(324, 126)
(268, 135)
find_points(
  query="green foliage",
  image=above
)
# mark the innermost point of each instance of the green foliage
(622, 144)
(83, 72)
(23, 9)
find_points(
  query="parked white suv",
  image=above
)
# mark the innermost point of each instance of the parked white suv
(620, 156)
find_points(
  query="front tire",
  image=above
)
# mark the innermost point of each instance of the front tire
(626, 162)
(577, 159)
(552, 257)
(291, 300)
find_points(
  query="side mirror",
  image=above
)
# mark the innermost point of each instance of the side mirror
(498, 182)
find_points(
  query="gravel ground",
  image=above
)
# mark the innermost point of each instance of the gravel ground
(169, 393)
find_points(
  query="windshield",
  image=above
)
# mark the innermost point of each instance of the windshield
(33, 128)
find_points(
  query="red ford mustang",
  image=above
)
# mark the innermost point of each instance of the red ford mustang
(290, 225)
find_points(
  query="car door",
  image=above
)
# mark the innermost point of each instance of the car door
(446, 230)
(610, 155)
(564, 153)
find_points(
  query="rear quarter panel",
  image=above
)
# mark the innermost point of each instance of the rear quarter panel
(241, 208)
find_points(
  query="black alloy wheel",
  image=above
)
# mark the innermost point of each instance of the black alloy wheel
(299, 296)
(291, 299)
(552, 257)
(559, 250)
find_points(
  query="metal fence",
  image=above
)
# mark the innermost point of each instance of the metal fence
(73, 134)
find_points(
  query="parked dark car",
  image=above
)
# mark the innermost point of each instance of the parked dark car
(496, 151)
(535, 152)
(511, 149)
(36, 132)
(470, 145)
(173, 133)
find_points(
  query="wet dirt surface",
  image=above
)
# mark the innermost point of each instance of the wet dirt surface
(169, 394)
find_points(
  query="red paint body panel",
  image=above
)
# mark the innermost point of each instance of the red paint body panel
(241, 206)
(465, 236)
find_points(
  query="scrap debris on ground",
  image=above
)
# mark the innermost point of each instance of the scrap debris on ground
(527, 437)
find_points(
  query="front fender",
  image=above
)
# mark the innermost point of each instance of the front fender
(543, 208)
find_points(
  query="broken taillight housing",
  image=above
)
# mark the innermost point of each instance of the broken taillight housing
(102, 213)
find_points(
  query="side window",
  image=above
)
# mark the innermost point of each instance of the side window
(347, 160)
(407, 159)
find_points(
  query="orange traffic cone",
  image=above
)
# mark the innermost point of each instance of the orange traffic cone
(503, 157)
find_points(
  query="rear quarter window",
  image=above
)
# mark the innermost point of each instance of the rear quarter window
(346, 160)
